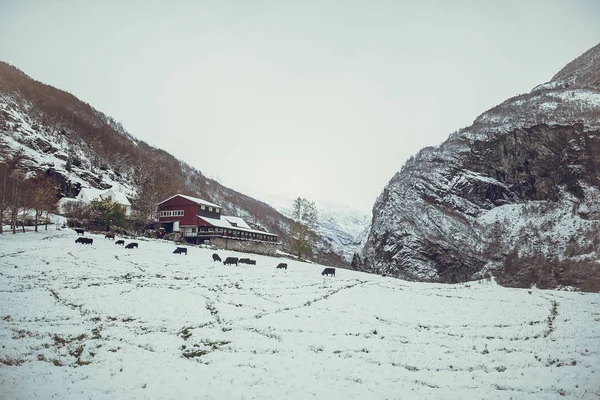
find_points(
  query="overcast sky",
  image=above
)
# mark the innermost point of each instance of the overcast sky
(320, 99)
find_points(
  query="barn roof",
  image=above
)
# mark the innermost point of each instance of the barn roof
(194, 199)
(92, 193)
(237, 221)
(224, 223)
(98, 194)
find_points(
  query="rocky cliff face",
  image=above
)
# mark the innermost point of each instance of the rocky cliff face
(514, 195)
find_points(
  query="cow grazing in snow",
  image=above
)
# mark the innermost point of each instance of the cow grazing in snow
(180, 250)
(216, 257)
(79, 231)
(328, 272)
(282, 266)
(231, 261)
(121, 242)
(131, 245)
(81, 240)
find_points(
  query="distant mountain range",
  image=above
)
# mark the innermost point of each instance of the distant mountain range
(80, 146)
(343, 227)
(516, 195)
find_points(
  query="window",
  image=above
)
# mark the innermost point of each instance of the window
(209, 208)
(202, 207)
(171, 213)
(217, 210)
(194, 230)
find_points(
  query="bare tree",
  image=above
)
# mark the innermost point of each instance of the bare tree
(5, 192)
(17, 199)
(80, 212)
(155, 185)
(42, 196)
(11, 164)
(304, 214)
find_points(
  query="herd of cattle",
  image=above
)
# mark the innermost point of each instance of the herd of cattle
(183, 250)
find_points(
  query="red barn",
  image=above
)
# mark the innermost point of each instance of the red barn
(180, 211)
(199, 220)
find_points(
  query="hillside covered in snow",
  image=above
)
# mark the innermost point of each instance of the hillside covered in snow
(514, 195)
(103, 322)
(79, 146)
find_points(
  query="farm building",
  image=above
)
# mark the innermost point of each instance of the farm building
(87, 195)
(200, 221)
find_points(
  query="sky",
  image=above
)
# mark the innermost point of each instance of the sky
(319, 99)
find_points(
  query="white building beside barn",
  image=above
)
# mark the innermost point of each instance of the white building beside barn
(87, 195)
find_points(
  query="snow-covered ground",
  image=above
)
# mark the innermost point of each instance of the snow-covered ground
(104, 322)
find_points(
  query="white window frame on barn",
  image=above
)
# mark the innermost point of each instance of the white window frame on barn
(171, 213)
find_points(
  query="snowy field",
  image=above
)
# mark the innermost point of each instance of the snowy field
(104, 322)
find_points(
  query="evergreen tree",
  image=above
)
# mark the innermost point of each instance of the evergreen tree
(357, 262)
(108, 213)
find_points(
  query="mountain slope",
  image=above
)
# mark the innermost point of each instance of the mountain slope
(81, 147)
(515, 194)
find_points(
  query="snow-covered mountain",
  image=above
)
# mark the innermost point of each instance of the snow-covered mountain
(79, 146)
(343, 227)
(515, 194)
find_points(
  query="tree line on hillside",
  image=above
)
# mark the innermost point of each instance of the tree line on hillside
(28, 197)
(25, 197)
(73, 123)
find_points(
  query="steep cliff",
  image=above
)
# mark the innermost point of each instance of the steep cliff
(514, 195)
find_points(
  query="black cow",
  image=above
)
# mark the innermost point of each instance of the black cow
(131, 245)
(328, 272)
(216, 257)
(180, 250)
(121, 242)
(109, 235)
(81, 240)
(282, 266)
(230, 261)
(79, 231)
